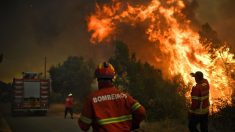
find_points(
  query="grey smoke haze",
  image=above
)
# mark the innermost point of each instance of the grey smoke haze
(33, 29)
(220, 15)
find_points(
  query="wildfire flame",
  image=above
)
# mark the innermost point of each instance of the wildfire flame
(179, 44)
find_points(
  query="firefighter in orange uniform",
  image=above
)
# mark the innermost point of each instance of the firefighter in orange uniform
(109, 109)
(69, 106)
(199, 110)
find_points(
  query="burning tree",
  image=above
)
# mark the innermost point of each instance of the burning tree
(172, 32)
(147, 85)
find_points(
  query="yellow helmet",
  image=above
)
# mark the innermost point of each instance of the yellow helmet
(105, 71)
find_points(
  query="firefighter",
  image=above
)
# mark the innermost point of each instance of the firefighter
(109, 109)
(199, 109)
(69, 105)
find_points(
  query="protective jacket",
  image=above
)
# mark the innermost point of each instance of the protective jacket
(200, 98)
(69, 102)
(110, 110)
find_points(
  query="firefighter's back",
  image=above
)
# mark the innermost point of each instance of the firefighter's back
(109, 109)
(112, 109)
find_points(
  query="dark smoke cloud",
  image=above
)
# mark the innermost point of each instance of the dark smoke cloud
(33, 29)
(190, 12)
(220, 15)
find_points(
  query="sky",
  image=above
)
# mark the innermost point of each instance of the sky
(33, 29)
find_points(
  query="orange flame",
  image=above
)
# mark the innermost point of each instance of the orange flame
(169, 28)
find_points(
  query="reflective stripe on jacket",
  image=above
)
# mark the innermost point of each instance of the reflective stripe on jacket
(200, 98)
(109, 109)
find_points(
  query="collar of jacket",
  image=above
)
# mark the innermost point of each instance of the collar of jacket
(105, 84)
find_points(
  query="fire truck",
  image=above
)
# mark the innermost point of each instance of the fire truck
(30, 94)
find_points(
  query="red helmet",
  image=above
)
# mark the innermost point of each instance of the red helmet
(105, 71)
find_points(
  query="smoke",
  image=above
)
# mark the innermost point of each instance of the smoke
(33, 29)
(220, 15)
(190, 12)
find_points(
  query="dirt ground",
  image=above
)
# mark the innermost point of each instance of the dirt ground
(58, 110)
